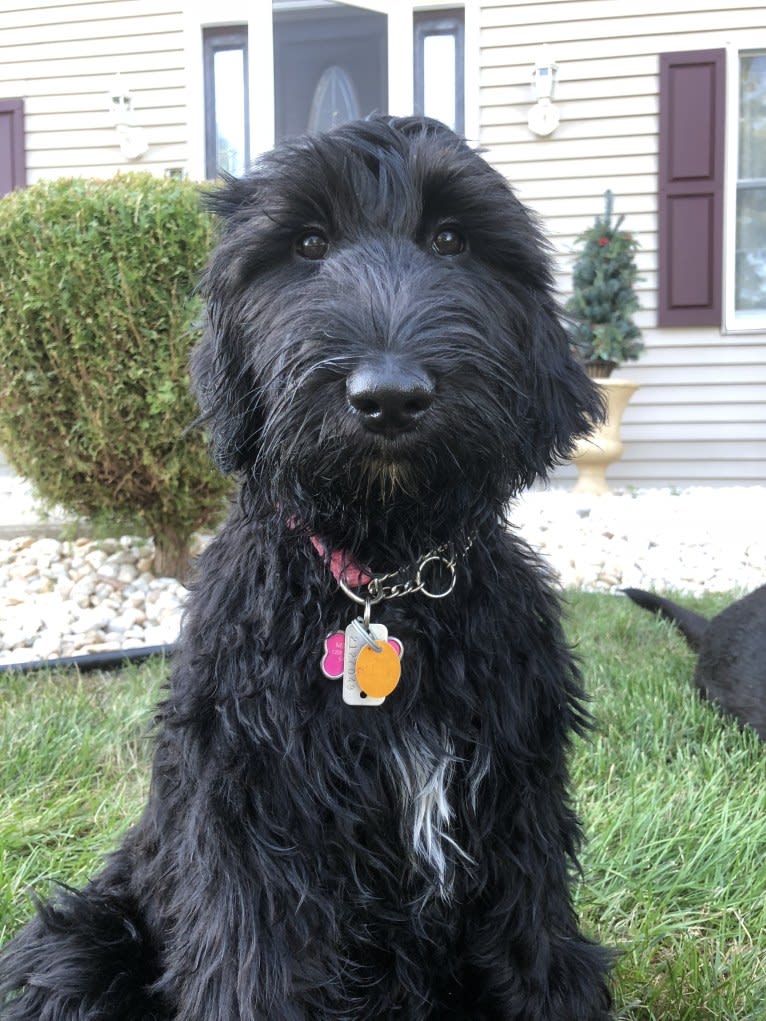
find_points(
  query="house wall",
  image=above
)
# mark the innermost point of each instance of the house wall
(700, 414)
(62, 58)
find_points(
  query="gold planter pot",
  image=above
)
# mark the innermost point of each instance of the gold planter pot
(603, 446)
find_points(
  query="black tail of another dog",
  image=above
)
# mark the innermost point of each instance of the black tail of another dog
(691, 625)
(82, 957)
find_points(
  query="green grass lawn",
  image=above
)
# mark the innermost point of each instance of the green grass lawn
(674, 803)
(673, 798)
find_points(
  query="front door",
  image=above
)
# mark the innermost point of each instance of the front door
(330, 66)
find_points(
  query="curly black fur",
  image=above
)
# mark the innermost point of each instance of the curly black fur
(300, 858)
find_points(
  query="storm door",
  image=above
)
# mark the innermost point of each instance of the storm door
(330, 66)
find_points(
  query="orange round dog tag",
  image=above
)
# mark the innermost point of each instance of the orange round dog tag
(378, 671)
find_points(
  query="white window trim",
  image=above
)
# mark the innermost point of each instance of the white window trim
(734, 323)
(201, 14)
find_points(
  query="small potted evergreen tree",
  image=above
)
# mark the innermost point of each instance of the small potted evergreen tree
(604, 299)
(603, 334)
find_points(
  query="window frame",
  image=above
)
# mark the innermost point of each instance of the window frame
(449, 21)
(736, 322)
(216, 39)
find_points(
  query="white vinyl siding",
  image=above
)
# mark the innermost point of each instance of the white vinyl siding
(699, 416)
(61, 58)
(700, 413)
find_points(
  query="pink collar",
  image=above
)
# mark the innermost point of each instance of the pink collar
(342, 566)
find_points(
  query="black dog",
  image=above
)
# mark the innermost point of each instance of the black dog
(731, 666)
(384, 367)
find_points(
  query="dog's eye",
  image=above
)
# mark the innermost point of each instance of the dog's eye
(448, 241)
(313, 246)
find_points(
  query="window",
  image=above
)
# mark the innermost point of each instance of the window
(334, 101)
(439, 45)
(747, 270)
(227, 142)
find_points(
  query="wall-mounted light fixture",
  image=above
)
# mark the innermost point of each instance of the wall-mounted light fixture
(131, 139)
(544, 117)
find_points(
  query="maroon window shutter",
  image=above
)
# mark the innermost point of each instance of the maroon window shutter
(12, 163)
(691, 187)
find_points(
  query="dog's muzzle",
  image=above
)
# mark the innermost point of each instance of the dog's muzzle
(389, 399)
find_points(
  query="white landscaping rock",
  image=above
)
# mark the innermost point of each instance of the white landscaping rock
(67, 598)
(693, 540)
(61, 598)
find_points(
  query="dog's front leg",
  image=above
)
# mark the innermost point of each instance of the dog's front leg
(538, 975)
(526, 959)
(227, 964)
(235, 901)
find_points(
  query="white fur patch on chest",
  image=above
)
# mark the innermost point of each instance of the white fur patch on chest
(424, 771)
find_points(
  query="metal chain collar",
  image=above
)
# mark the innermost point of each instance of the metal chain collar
(377, 590)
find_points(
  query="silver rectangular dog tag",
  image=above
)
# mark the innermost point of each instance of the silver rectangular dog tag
(352, 693)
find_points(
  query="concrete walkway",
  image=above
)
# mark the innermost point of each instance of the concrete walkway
(21, 514)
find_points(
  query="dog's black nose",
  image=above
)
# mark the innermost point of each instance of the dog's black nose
(388, 398)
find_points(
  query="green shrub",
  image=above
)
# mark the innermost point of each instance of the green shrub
(96, 323)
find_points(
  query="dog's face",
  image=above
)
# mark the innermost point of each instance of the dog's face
(381, 327)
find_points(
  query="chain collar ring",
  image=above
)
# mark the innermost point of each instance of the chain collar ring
(377, 590)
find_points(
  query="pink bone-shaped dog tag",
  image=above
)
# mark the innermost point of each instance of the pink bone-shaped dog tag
(334, 649)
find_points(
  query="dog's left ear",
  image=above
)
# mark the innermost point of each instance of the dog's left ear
(225, 395)
(565, 404)
(220, 372)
